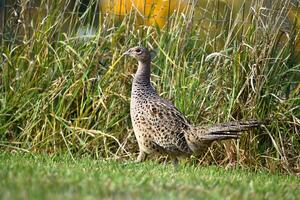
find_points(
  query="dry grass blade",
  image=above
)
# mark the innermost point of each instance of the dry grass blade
(65, 85)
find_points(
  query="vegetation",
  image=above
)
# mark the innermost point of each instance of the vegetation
(61, 91)
(44, 177)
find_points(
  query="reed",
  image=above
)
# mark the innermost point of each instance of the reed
(68, 90)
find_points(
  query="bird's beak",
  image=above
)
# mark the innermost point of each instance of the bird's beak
(127, 53)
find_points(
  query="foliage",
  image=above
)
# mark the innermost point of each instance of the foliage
(64, 91)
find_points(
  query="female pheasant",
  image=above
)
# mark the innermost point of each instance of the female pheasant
(161, 128)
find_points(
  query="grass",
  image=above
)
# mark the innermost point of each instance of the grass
(64, 92)
(59, 177)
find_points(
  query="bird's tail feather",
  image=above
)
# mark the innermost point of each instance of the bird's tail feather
(231, 130)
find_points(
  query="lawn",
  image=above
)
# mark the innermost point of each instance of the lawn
(60, 177)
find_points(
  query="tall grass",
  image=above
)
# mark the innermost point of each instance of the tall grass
(61, 91)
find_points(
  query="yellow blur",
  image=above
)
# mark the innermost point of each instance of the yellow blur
(150, 12)
(157, 12)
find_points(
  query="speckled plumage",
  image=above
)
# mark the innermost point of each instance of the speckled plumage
(160, 128)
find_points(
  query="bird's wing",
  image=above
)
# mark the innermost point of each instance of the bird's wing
(170, 125)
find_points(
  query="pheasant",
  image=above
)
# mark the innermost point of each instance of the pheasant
(160, 128)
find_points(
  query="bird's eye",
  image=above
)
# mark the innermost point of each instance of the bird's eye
(138, 51)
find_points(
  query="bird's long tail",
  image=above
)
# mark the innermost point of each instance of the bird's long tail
(231, 130)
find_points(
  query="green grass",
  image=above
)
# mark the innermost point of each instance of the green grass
(59, 177)
(60, 92)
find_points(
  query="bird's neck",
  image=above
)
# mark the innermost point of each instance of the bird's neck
(143, 72)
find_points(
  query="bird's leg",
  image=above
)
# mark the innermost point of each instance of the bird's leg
(141, 157)
(173, 159)
(175, 162)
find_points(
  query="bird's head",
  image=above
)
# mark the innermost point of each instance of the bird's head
(139, 53)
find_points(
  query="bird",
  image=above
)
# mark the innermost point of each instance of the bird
(160, 128)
